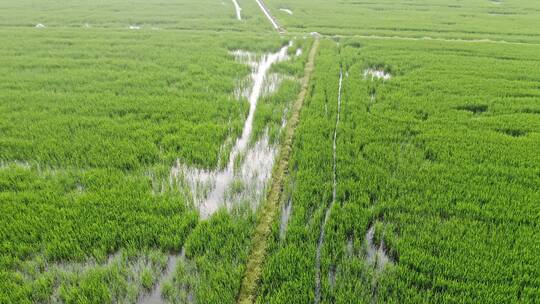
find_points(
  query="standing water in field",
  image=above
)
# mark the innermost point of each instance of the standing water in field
(155, 297)
(238, 9)
(375, 255)
(376, 74)
(377, 258)
(334, 194)
(248, 170)
(285, 215)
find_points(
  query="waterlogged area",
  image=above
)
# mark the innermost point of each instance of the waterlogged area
(407, 137)
(131, 275)
(376, 74)
(249, 168)
(156, 295)
(284, 221)
(375, 253)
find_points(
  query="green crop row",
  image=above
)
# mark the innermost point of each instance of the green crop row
(440, 159)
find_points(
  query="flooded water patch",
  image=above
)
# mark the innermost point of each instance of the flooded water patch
(286, 211)
(271, 83)
(375, 253)
(180, 285)
(129, 274)
(40, 26)
(134, 27)
(376, 74)
(242, 89)
(249, 168)
(332, 276)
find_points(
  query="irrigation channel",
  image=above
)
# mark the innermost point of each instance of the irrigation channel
(271, 18)
(209, 188)
(334, 194)
(268, 213)
(238, 9)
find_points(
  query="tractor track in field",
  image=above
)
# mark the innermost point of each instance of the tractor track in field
(238, 10)
(252, 274)
(328, 210)
(429, 38)
(270, 17)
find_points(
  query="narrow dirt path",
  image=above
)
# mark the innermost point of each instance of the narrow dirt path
(270, 209)
(334, 195)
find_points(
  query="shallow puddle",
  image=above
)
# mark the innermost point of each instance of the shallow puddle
(375, 254)
(249, 168)
(285, 215)
(155, 297)
(376, 74)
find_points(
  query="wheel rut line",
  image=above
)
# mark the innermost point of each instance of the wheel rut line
(430, 38)
(252, 274)
(328, 211)
(270, 17)
(238, 10)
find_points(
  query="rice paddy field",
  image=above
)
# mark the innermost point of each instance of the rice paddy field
(270, 151)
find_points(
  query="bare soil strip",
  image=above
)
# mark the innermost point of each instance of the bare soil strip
(252, 275)
(155, 297)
